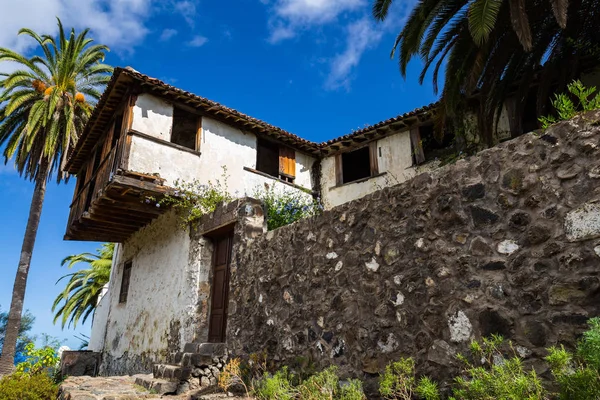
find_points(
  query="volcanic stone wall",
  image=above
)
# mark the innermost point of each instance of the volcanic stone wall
(505, 242)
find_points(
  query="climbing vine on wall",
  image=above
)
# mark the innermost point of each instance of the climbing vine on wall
(194, 199)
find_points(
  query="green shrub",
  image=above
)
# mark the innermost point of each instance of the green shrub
(589, 347)
(398, 382)
(499, 378)
(427, 389)
(352, 390)
(286, 207)
(578, 376)
(20, 386)
(275, 387)
(43, 360)
(586, 99)
(325, 385)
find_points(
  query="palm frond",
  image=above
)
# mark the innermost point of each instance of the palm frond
(482, 19)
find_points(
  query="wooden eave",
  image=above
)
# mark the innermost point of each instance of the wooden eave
(127, 80)
(380, 130)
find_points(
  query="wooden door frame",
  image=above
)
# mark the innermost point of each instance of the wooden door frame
(215, 236)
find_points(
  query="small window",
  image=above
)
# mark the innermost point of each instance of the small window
(125, 282)
(357, 164)
(117, 130)
(425, 146)
(276, 160)
(184, 131)
(80, 180)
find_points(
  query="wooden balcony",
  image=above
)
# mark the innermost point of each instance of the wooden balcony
(110, 204)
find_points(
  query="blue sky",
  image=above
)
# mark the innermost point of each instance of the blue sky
(317, 68)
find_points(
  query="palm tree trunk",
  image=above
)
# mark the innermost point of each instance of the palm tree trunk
(18, 295)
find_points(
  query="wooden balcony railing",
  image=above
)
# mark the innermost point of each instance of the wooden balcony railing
(99, 179)
(114, 203)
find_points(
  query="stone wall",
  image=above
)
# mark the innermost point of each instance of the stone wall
(505, 242)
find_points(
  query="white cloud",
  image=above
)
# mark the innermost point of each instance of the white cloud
(351, 18)
(360, 36)
(187, 9)
(167, 34)
(197, 41)
(293, 16)
(120, 24)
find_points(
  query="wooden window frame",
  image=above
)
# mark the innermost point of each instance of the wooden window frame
(286, 163)
(373, 164)
(198, 139)
(417, 145)
(125, 282)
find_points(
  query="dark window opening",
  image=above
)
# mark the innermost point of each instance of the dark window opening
(117, 130)
(97, 158)
(80, 180)
(426, 147)
(356, 165)
(529, 117)
(434, 148)
(267, 157)
(185, 128)
(125, 282)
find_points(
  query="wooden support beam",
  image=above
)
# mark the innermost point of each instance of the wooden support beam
(90, 225)
(139, 207)
(104, 218)
(138, 184)
(111, 210)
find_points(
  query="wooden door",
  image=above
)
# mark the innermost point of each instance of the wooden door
(220, 288)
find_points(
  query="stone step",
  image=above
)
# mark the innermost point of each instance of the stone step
(206, 349)
(174, 373)
(196, 359)
(159, 386)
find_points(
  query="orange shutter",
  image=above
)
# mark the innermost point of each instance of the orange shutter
(287, 161)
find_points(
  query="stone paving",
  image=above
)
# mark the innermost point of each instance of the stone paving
(124, 388)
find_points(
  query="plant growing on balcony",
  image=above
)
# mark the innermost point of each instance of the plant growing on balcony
(44, 105)
(194, 199)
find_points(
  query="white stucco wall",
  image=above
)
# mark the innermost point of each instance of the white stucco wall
(96, 342)
(160, 314)
(395, 161)
(221, 145)
(170, 163)
(152, 116)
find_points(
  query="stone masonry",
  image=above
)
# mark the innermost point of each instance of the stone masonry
(506, 242)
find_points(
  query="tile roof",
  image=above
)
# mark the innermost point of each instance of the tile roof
(122, 78)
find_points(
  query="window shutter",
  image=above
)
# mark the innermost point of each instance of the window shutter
(417, 146)
(287, 161)
(373, 163)
(339, 173)
(198, 133)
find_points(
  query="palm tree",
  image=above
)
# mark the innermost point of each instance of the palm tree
(83, 289)
(43, 108)
(496, 49)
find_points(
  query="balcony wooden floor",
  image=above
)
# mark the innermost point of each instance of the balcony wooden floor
(117, 210)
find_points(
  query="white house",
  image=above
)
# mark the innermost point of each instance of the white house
(169, 286)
